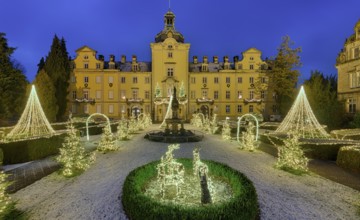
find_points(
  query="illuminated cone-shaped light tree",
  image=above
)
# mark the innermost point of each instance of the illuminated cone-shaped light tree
(107, 142)
(301, 120)
(33, 121)
(133, 124)
(72, 156)
(290, 155)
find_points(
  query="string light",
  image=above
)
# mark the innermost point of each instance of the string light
(33, 121)
(302, 120)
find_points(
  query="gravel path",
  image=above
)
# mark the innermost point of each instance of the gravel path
(96, 194)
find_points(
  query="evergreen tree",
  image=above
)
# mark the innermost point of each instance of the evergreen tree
(123, 131)
(283, 75)
(72, 156)
(46, 93)
(41, 64)
(248, 139)
(13, 83)
(57, 66)
(107, 142)
(322, 95)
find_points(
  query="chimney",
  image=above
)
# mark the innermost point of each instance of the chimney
(195, 59)
(205, 59)
(215, 59)
(134, 59)
(226, 59)
(123, 59)
(101, 57)
(112, 58)
(236, 59)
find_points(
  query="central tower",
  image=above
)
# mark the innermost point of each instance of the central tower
(170, 65)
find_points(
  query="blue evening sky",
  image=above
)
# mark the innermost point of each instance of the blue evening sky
(226, 27)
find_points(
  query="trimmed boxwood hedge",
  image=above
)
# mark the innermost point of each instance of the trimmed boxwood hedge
(243, 205)
(349, 158)
(29, 150)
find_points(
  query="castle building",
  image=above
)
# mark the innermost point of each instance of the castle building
(119, 88)
(348, 66)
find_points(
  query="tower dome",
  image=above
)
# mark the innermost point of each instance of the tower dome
(169, 29)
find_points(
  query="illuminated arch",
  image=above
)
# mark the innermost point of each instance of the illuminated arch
(96, 114)
(239, 125)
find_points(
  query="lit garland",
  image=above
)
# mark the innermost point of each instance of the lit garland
(107, 142)
(168, 112)
(88, 119)
(249, 141)
(210, 127)
(302, 120)
(123, 131)
(133, 125)
(33, 121)
(226, 131)
(73, 157)
(5, 200)
(239, 126)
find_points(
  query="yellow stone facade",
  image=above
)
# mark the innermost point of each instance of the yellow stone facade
(348, 66)
(118, 88)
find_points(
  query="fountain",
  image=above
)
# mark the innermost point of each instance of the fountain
(174, 131)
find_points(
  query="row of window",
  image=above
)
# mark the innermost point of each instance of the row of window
(227, 80)
(98, 94)
(98, 79)
(110, 107)
(227, 94)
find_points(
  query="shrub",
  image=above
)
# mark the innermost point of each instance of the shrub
(243, 204)
(29, 150)
(349, 158)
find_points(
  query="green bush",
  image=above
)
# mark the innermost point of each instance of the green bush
(29, 150)
(243, 204)
(349, 158)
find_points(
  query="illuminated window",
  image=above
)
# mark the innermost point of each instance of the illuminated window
(239, 94)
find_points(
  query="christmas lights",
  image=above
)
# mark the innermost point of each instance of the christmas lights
(249, 140)
(301, 119)
(107, 142)
(133, 125)
(123, 131)
(226, 131)
(168, 112)
(33, 121)
(88, 119)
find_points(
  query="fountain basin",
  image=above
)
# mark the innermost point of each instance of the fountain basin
(241, 204)
(180, 137)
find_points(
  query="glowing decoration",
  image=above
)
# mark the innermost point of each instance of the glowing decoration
(107, 142)
(5, 200)
(248, 135)
(210, 127)
(182, 90)
(249, 141)
(133, 125)
(301, 120)
(290, 155)
(168, 112)
(226, 130)
(158, 93)
(123, 131)
(33, 121)
(197, 121)
(170, 172)
(88, 119)
(73, 157)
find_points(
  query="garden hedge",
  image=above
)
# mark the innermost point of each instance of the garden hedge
(349, 158)
(243, 204)
(29, 150)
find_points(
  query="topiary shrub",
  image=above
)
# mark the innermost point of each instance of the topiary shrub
(349, 158)
(243, 204)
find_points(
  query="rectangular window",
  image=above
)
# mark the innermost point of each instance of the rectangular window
(239, 94)
(239, 79)
(228, 80)
(147, 80)
(86, 79)
(263, 79)
(192, 79)
(251, 96)
(251, 108)
(192, 94)
(73, 108)
(86, 66)
(204, 79)
(98, 66)
(170, 72)
(251, 79)
(111, 109)
(123, 79)
(111, 94)
(170, 54)
(239, 108)
(147, 94)
(204, 93)
(74, 94)
(352, 105)
(98, 94)
(216, 80)
(111, 79)
(123, 94)
(135, 80)
(227, 109)
(98, 108)
(251, 66)
(98, 79)
(227, 95)
(86, 109)
(262, 94)
(135, 94)
(147, 108)
(86, 94)
(216, 94)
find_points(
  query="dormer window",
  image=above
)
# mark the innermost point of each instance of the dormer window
(86, 57)
(170, 47)
(135, 67)
(251, 58)
(204, 68)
